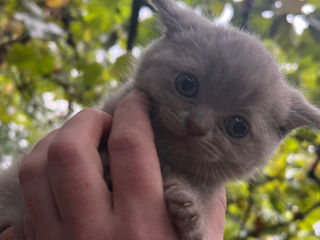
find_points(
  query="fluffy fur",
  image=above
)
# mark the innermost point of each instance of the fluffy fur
(11, 200)
(236, 76)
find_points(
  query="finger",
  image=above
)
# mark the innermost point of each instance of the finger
(28, 229)
(75, 169)
(36, 189)
(217, 215)
(134, 164)
(9, 234)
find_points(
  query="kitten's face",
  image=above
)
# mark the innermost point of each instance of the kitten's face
(218, 98)
(215, 91)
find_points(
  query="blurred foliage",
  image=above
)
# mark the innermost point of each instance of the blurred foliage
(58, 56)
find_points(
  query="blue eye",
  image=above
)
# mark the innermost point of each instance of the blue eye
(187, 85)
(236, 127)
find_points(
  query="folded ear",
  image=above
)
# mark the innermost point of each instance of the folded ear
(174, 17)
(301, 113)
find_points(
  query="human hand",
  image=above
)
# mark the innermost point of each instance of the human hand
(65, 193)
(217, 220)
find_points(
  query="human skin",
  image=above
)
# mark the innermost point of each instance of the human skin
(65, 193)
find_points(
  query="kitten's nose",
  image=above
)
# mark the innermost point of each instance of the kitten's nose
(195, 129)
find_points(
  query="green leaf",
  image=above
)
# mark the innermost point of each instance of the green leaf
(21, 56)
(46, 64)
(91, 72)
(121, 68)
(148, 30)
(315, 3)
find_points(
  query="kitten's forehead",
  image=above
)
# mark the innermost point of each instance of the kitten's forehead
(235, 67)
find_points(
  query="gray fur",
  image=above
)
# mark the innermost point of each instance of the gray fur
(237, 76)
(11, 199)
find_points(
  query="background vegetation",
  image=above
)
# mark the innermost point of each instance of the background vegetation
(58, 56)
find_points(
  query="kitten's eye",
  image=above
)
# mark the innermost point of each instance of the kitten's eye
(236, 127)
(187, 85)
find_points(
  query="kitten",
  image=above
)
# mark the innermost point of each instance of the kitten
(220, 106)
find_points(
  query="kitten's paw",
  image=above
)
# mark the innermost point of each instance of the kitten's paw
(184, 209)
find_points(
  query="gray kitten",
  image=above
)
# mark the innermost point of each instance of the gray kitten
(219, 108)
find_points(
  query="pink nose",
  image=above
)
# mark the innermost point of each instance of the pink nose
(194, 129)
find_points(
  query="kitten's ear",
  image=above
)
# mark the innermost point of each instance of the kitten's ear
(174, 17)
(301, 113)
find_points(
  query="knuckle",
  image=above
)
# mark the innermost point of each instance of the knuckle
(124, 142)
(38, 146)
(90, 111)
(28, 173)
(94, 112)
(63, 152)
(30, 168)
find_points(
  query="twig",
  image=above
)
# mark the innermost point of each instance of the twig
(4, 47)
(136, 5)
(247, 7)
(273, 228)
(312, 171)
(246, 215)
(66, 19)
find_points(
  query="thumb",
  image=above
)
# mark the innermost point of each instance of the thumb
(134, 163)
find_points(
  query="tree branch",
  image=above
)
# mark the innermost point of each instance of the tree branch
(66, 19)
(4, 47)
(136, 5)
(275, 227)
(312, 171)
(246, 215)
(247, 7)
